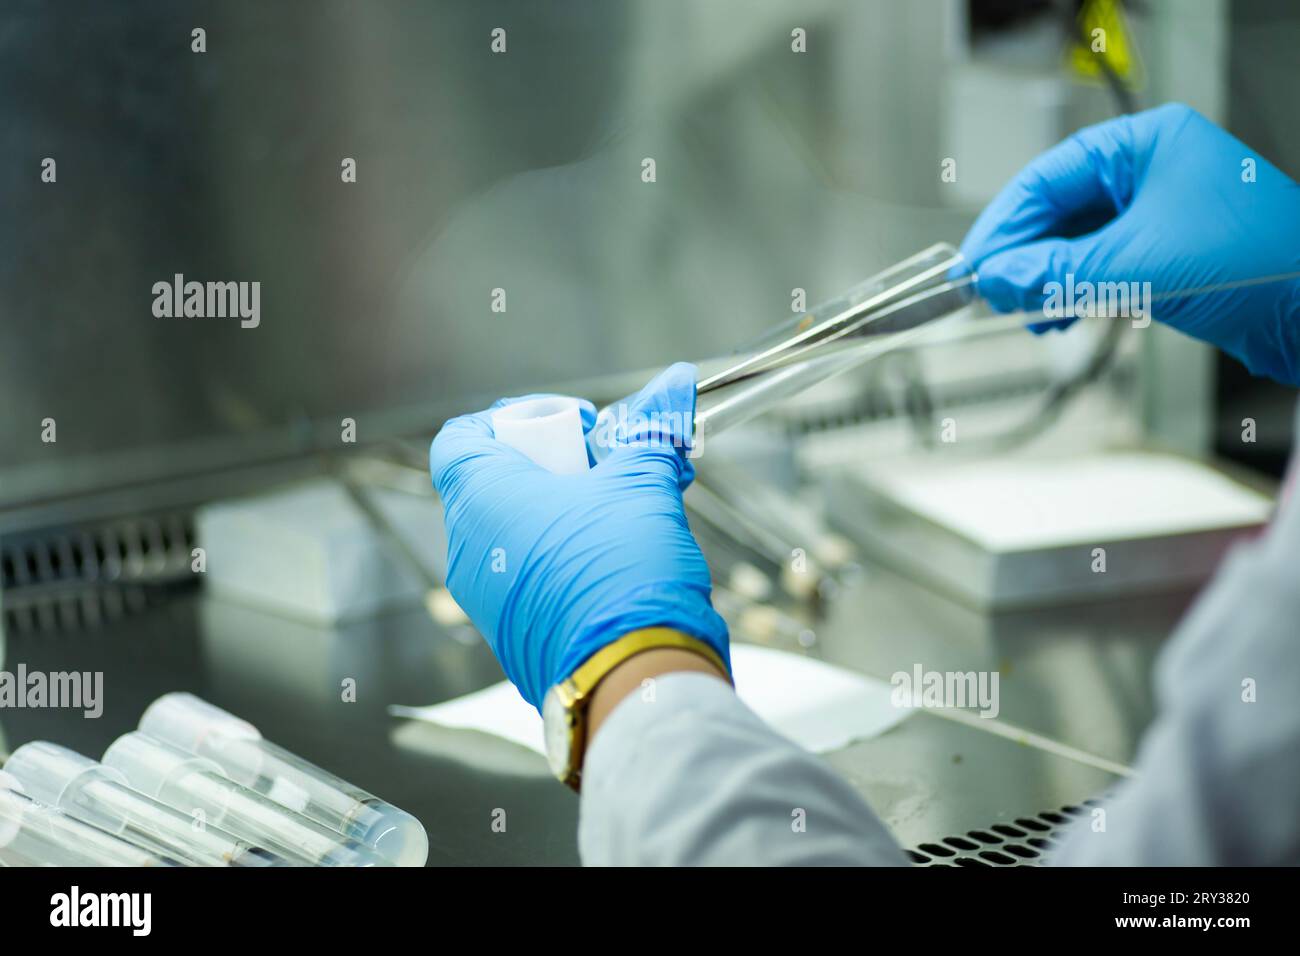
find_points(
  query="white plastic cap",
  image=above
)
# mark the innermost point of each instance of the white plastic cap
(47, 771)
(149, 764)
(548, 430)
(188, 722)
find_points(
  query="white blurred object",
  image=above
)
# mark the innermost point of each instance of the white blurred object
(548, 430)
(310, 552)
(1017, 531)
(1007, 505)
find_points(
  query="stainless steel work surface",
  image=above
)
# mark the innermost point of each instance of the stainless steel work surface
(1078, 673)
(1080, 676)
(930, 778)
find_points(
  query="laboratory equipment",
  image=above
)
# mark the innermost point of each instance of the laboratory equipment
(194, 784)
(874, 317)
(238, 748)
(809, 556)
(307, 550)
(902, 297)
(100, 796)
(35, 835)
(1022, 532)
(547, 429)
(441, 607)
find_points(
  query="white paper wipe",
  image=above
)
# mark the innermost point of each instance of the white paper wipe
(818, 706)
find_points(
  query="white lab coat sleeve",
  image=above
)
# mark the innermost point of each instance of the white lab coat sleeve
(1218, 772)
(689, 775)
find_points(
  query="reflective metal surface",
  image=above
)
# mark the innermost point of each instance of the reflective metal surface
(778, 175)
(1079, 676)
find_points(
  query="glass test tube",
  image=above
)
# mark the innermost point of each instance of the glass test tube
(35, 835)
(197, 727)
(874, 317)
(887, 310)
(191, 783)
(100, 796)
(928, 270)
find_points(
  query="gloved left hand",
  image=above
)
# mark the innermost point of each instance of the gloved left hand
(551, 568)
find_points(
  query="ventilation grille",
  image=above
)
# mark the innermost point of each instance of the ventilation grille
(70, 578)
(1023, 842)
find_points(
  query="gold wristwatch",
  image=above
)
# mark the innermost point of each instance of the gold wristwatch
(564, 711)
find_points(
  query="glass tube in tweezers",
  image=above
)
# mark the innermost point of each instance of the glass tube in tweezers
(890, 301)
(896, 323)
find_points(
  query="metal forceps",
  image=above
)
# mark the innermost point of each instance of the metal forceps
(929, 285)
(873, 317)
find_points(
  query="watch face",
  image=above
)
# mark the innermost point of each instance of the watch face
(555, 720)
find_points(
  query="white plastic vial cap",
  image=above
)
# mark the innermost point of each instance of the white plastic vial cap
(149, 764)
(47, 770)
(548, 430)
(189, 722)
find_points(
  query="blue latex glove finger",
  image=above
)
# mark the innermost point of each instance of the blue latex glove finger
(551, 568)
(658, 421)
(1082, 181)
(1162, 197)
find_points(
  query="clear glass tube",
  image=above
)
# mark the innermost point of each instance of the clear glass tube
(191, 783)
(195, 726)
(100, 796)
(32, 834)
(874, 317)
(867, 301)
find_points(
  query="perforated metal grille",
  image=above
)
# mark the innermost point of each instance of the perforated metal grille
(135, 549)
(1024, 841)
(81, 577)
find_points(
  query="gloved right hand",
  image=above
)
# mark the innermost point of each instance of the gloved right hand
(1165, 197)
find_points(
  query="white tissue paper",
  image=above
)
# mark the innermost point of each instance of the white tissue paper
(818, 706)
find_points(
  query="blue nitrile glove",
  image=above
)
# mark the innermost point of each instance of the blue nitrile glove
(1160, 197)
(551, 568)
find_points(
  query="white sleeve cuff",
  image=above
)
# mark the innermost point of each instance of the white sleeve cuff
(683, 773)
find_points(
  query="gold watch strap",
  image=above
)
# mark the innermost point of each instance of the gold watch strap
(575, 692)
(594, 669)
